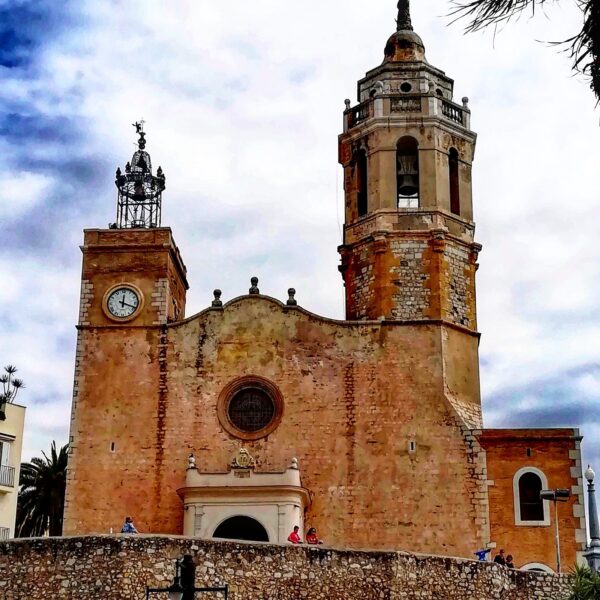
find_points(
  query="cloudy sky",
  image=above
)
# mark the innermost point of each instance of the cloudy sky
(243, 103)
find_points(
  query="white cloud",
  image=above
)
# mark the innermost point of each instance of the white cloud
(244, 104)
(21, 192)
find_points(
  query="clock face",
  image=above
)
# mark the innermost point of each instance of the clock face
(123, 302)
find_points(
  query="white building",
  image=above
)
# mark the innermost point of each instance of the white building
(11, 441)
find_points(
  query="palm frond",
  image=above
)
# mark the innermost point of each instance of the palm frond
(584, 47)
(42, 494)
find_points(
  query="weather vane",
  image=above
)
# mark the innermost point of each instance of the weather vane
(139, 129)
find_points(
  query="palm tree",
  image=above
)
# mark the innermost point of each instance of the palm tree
(10, 387)
(584, 47)
(42, 494)
(586, 584)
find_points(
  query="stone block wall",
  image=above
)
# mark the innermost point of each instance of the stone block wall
(363, 391)
(411, 276)
(118, 568)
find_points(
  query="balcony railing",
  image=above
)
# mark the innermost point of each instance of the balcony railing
(359, 113)
(7, 476)
(411, 105)
(452, 112)
(4, 534)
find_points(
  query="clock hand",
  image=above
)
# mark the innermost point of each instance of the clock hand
(130, 305)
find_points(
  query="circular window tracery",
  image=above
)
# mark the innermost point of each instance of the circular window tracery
(250, 408)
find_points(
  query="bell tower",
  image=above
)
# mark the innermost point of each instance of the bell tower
(407, 148)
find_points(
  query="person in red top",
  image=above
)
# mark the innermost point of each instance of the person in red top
(294, 537)
(312, 538)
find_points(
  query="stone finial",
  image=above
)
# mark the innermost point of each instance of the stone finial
(191, 462)
(217, 303)
(404, 23)
(254, 289)
(294, 464)
(465, 102)
(292, 297)
(348, 103)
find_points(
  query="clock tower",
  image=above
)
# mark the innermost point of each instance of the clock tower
(133, 284)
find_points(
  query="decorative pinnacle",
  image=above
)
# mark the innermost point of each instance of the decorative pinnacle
(404, 22)
(139, 129)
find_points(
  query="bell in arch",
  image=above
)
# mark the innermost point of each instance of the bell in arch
(407, 164)
(408, 175)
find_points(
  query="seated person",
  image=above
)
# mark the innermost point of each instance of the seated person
(294, 537)
(312, 538)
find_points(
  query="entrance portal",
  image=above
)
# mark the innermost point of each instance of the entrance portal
(241, 528)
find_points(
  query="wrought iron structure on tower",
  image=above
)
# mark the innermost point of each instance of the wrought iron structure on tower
(139, 196)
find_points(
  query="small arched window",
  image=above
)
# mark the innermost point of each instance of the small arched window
(530, 509)
(407, 166)
(454, 182)
(362, 183)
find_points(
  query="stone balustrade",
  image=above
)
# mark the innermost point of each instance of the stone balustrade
(408, 105)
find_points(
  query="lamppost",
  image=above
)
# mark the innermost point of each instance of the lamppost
(556, 496)
(592, 554)
(183, 586)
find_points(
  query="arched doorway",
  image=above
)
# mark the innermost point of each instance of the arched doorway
(241, 528)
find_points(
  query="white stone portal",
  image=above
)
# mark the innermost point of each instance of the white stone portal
(276, 500)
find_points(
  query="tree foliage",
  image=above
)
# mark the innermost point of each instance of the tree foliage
(10, 384)
(584, 47)
(586, 584)
(42, 494)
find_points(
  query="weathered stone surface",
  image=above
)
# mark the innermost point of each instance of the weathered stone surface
(117, 568)
(355, 395)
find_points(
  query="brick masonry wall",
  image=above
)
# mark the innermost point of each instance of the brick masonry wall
(557, 454)
(118, 568)
(355, 396)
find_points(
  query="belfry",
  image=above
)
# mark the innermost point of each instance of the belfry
(407, 148)
(197, 424)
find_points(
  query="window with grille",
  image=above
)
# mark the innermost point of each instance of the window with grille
(251, 409)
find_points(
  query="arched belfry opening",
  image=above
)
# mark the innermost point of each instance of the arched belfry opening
(454, 181)
(241, 528)
(407, 167)
(362, 183)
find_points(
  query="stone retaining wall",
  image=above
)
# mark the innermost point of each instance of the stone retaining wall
(111, 568)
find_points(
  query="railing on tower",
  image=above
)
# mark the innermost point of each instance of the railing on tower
(7, 476)
(411, 105)
(4, 534)
(452, 111)
(360, 113)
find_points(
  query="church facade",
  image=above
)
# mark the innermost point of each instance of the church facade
(256, 415)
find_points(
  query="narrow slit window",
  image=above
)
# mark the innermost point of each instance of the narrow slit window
(454, 182)
(362, 183)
